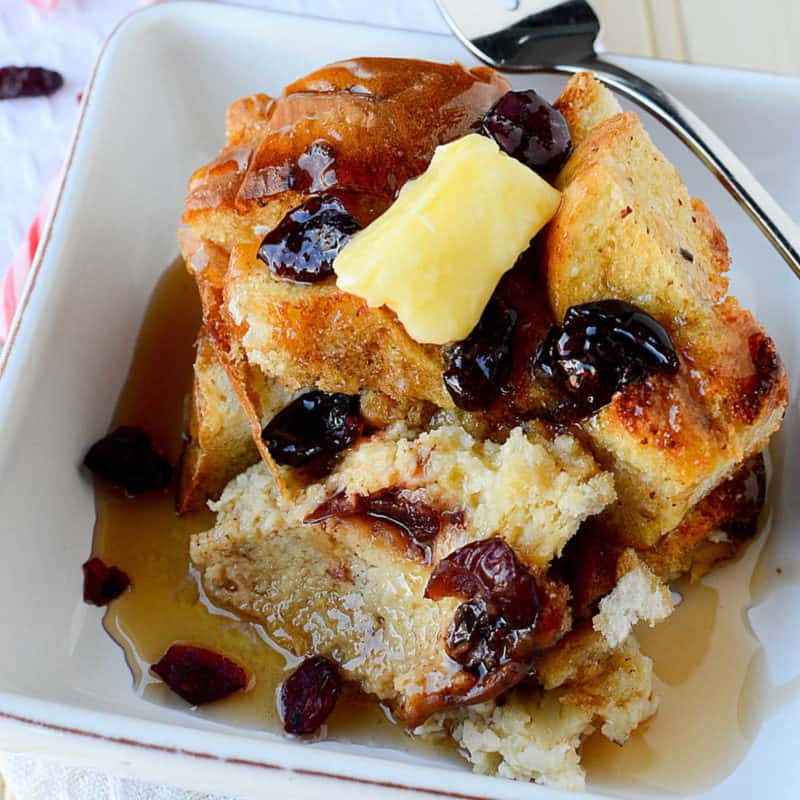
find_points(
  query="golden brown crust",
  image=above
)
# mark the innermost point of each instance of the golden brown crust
(248, 118)
(326, 338)
(733, 506)
(360, 127)
(220, 445)
(628, 229)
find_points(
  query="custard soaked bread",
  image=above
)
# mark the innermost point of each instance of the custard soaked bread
(325, 338)
(343, 585)
(627, 229)
(368, 581)
(469, 531)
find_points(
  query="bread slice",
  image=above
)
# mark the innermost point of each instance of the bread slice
(361, 127)
(628, 229)
(220, 444)
(326, 338)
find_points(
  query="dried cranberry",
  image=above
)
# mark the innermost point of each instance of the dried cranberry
(528, 128)
(600, 348)
(488, 569)
(498, 622)
(478, 366)
(315, 425)
(198, 675)
(126, 457)
(101, 583)
(303, 246)
(416, 519)
(28, 82)
(309, 695)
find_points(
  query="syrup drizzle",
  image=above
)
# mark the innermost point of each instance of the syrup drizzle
(166, 603)
(710, 668)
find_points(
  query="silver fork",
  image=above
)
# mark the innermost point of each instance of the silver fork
(559, 36)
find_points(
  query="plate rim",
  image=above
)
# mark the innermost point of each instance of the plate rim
(40, 713)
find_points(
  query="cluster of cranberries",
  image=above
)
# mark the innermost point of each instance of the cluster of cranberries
(600, 348)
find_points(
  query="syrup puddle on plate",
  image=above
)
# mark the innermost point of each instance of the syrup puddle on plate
(709, 666)
(145, 537)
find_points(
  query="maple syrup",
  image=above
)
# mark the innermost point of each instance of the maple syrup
(709, 666)
(145, 537)
(701, 657)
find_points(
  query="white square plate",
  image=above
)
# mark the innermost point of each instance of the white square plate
(153, 113)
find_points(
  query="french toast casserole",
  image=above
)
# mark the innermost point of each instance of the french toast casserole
(469, 393)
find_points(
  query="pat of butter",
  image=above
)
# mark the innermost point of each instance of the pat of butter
(436, 255)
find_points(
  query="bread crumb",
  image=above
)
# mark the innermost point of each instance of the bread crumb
(638, 595)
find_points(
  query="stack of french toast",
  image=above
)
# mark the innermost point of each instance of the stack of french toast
(477, 564)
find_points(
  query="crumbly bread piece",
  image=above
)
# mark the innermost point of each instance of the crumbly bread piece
(220, 445)
(352, 589)
(585, 103)
(535, 735)
(628, 229)
(580, 656)
(638, 596)
(361, 127)
(350, 597)
(621, 697)
(534, 490)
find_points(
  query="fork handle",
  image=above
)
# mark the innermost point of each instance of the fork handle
(775, 223)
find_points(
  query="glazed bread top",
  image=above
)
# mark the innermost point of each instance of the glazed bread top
(362, 127)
